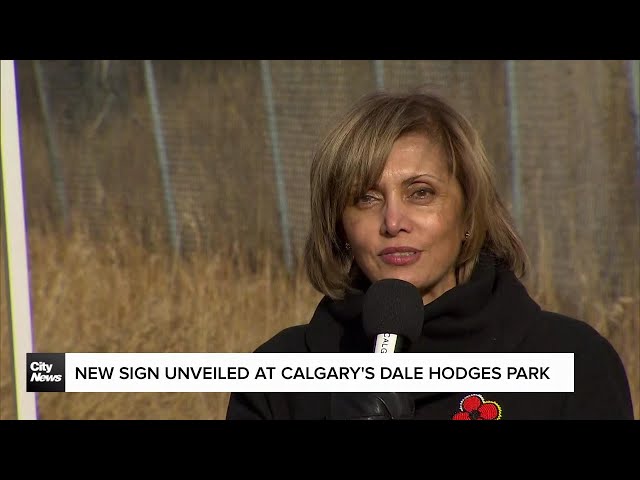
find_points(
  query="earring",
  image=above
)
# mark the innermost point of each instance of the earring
(467, 235)
(347, 246)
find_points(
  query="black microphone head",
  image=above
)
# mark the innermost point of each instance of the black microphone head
(393, 306)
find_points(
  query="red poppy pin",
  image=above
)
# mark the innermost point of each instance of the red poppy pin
(475, 407)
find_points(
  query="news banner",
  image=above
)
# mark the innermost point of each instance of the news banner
(292, 372)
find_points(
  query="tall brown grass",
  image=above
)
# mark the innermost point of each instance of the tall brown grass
(116, 296)
(617, 318)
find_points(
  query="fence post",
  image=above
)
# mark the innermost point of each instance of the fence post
(633, 69)
(52, 144)
(514, 142)
(15, 245)
(265, 70)
(378, 72)
(161, 151)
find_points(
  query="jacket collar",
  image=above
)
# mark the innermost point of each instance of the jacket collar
(490, 313)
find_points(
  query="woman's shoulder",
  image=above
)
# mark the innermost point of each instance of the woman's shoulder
(288, 340)
(568, 329)
(569, 333)
(322, 333)
(593, 350)
(601, 384)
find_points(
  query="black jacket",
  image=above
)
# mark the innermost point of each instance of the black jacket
(491, 313)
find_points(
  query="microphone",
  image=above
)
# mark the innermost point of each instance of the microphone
(393, 314)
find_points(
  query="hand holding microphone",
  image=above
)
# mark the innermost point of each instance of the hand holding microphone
(392, 314)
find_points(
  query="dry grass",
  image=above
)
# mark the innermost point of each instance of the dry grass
(617, 319)
(115, 296)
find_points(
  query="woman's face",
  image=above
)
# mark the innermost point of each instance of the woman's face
(409, 226)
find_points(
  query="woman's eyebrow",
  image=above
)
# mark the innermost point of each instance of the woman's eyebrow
(416, 177)
(413, 178)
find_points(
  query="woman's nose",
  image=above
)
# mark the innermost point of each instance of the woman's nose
(395, 218)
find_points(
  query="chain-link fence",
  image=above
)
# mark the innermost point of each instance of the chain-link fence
(206, 150)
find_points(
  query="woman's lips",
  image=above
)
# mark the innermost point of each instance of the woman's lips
(400, 256)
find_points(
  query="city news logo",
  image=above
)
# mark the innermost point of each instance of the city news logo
(45, 372)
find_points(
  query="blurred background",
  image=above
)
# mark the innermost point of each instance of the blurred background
(167, 201)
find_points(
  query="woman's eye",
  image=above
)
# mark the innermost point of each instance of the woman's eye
(422, 193)
(366, 199)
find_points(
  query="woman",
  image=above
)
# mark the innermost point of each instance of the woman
(402, 188)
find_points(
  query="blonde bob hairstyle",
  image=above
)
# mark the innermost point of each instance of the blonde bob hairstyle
(351, 158)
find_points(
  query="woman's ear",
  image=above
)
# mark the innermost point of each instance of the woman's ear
(467, 228)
